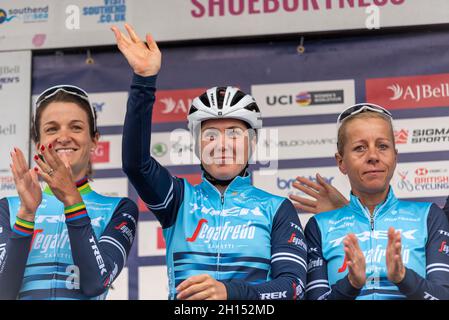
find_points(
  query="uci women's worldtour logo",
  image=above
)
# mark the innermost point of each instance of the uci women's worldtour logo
(110, 11)
(409, 92)
(25, 14)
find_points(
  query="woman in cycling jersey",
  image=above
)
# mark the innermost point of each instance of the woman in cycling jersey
(375, 246)
(66, 241)
(225, 238)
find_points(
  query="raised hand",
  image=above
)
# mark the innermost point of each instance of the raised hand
(27, 185)
(201, 287)
(144, 58)
(355, 261)
(395, 266)
(326, 196)
(58, 176)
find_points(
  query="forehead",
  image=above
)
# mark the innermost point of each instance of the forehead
(223, 124)
(363, 128)
(63, 112)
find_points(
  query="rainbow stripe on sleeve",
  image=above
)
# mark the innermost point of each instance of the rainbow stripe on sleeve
(23, 227)
(75, 212)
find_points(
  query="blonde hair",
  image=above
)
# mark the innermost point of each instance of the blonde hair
(341, 141)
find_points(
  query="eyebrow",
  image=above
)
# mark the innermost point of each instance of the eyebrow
(233, 127)
(53, 122)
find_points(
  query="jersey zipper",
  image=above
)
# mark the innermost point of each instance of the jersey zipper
(219, 241)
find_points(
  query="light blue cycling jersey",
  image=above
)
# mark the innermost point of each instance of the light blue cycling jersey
(424, 233)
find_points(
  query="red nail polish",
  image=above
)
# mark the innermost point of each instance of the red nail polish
(42, 148)
(36, 169)
(36, 157)
(50, 146)
(15, 149)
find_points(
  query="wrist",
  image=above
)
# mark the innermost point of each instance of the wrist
(25, 214)
(353, 283)
(23, 227)
(75, 211)
(72, 200)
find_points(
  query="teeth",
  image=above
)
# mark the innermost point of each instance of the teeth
(65, 150)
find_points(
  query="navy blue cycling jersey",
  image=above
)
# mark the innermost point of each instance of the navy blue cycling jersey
(425, 251)
(248, 239)
(63, 258)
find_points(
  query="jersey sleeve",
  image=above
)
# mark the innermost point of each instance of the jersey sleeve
(318, 287)
(162, 193)
(288, 262)
(101, 260)
(436, 284)
(14, 250)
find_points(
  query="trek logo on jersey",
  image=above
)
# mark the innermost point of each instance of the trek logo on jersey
(231, 212)
(377, 234)
(444, 248)
(222, 233)
(98, 257)
(444, 233)
(409, 92)
(126, 231)
(273, 295)
(130, 217)
(297, 241)
(61, 218)
(295, 226)
(2, 252)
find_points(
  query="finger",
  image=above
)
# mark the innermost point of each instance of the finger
(20, 157)
(306, 190)
(43, 175)
(303, 201)
(321, 181)
(309, 183)
(203, 295)
(41, 164)
(303, 208)
(120, 37)
(152, 45)
(132, 34)
(193, 290)
(34, 177)
(51, 158)
(191, 281)
(20, 169)
(15, 175)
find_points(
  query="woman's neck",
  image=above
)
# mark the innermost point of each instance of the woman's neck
(371, 200)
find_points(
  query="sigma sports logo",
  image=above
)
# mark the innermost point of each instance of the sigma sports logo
(173, 105)
(377, 234)
(231, 212)
(126, 231)
(297, 241)
(222, 233)
(98, 257)
(401, 136)
(409, 92)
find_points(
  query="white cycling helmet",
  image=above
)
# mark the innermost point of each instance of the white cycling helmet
(223, 103)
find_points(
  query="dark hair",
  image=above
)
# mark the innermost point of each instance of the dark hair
(69, 98)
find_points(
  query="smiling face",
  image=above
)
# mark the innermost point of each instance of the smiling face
(224, 147)
(367, 155)
(66, 126)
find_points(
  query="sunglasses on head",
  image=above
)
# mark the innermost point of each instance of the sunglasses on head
(69, 89)
(359, 108)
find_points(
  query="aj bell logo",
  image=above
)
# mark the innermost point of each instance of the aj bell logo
(175, 106)
(419, 92)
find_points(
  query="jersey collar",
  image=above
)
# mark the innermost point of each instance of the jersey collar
(356, 205)
(82, 186)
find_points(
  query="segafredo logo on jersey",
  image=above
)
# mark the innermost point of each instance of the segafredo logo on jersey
(127, 233)
(222, 233)
(43, 243)
(173, 105)
(376, 255)
(231, 212)
(409, 92)
(376, 234)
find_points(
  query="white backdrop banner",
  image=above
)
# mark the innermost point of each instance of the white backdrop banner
(15, 90)
(26, 24)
